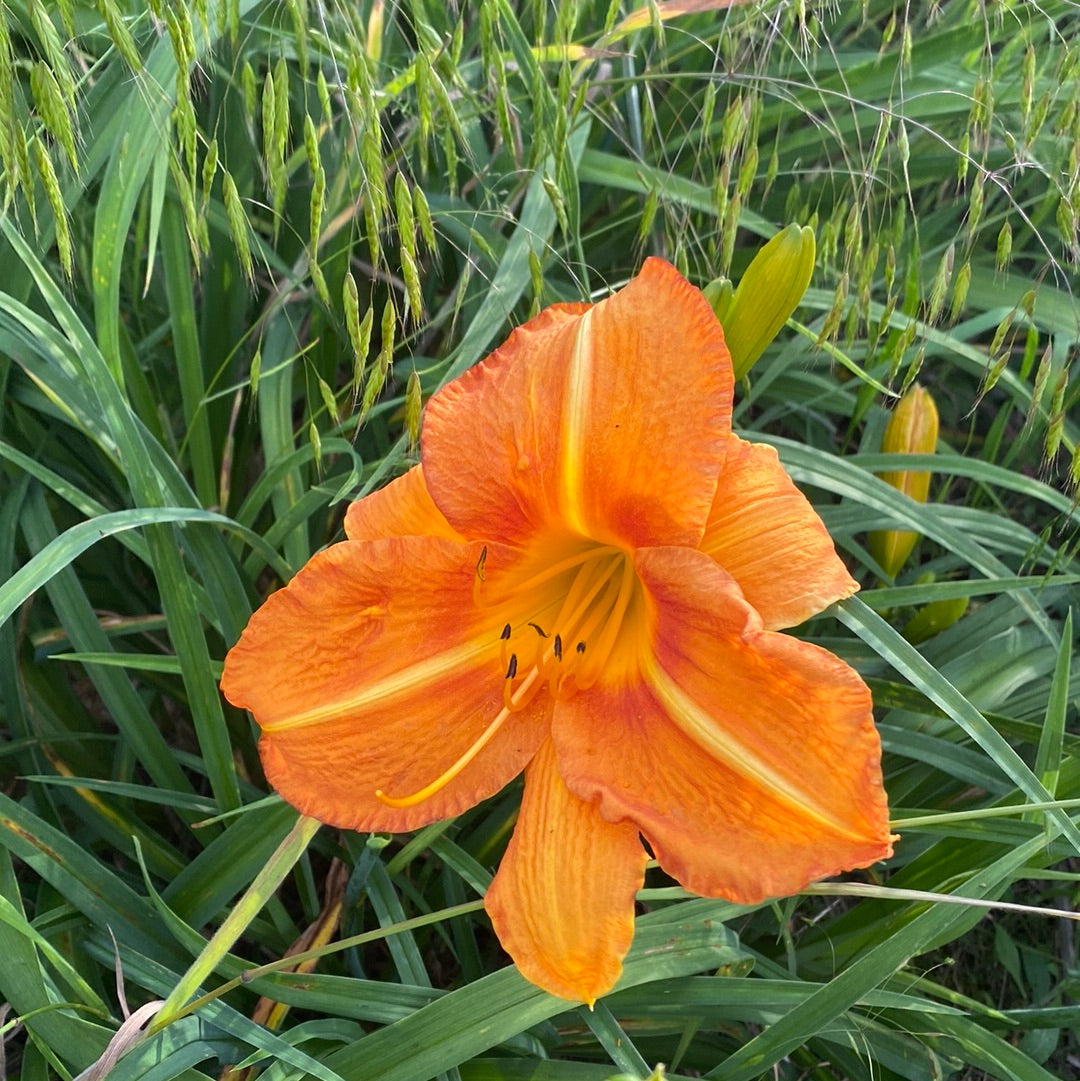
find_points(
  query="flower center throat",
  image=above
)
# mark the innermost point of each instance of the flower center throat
(563, 627)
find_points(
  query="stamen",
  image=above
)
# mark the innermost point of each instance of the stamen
(520, 696)
(564, 565)
(587, 675)
(595, 616)
(601, 588)
(584, 590)
(504, 644)
(480, 577)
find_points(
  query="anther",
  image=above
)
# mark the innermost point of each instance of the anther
(558, 647)
(480, 563)
(581, 647)
(511, 668)
(505, 636)
(539, 630)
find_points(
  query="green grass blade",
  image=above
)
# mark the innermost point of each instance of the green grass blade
(22, 983)
(889, 645)
(179, 275)
(1048, 753)
(871, 969)
(62, 551)
(466, 1022)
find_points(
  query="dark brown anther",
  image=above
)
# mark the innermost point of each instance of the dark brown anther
(480, 563)
(505, 636)
(581, 647)
(558, 647)
(511, 669)
(539, 630)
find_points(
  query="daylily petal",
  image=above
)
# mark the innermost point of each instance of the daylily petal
(748, 759)
(403, 508)
(373, 670)
(611, 421)
(763, 531)
(562, 903)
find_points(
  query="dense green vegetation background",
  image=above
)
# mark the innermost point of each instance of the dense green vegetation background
(243, 240)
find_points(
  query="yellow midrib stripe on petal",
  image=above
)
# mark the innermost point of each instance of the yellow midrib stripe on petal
(575, 414)
(703, 729)
(404, 681)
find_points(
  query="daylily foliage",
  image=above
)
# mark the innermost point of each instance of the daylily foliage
(583, 579)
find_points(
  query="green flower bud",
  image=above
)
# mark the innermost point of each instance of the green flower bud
(768, 293)
(933, 618)
(719, 293)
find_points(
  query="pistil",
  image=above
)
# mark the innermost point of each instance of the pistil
(523, 691)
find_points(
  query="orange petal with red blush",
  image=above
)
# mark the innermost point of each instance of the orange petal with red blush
(562, 903)
(611, 421)
(763, 531)
(748, 759)
(373, 670)
(403, 508)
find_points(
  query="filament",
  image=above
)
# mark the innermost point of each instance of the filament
(564, 565)
(600, 652)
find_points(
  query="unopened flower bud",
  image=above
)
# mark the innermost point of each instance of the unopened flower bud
(913, 429)
(719, 293)
(933, 618)
(768, 293)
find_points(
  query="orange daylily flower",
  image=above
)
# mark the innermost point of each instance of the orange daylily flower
(583, 579)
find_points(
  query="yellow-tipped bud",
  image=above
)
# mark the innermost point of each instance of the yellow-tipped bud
(374, 42)
(913, 429)
(768, 293)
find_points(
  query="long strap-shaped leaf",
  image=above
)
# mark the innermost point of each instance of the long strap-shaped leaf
(73, 542)
(153, 483)
(909, 662)
(673, 942)
(815, 1013)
